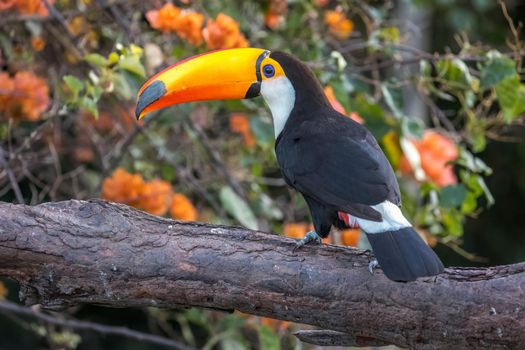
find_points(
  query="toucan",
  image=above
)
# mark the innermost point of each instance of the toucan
(333, 161)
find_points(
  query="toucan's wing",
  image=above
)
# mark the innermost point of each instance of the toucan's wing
(337, 162)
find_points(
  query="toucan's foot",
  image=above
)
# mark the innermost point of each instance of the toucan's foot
(311, 236)
(373, 265)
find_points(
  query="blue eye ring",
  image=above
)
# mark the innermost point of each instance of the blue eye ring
(268, 71)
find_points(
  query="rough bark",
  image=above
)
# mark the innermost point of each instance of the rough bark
(101, 253)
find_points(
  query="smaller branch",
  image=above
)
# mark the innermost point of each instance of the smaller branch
(58, 16)
(12, 179)
(333, 338)
(120, 150)
(217, 161)
(121, 19)
(417, 58)
(9, 307)
(517, 46)
(438, 113)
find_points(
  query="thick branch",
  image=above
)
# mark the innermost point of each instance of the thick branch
(100, 253)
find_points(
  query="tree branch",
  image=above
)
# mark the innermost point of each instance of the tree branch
(108, 254)
(8, 307)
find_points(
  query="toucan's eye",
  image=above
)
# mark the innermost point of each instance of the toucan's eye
(268, 71)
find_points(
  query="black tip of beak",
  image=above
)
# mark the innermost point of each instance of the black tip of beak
(152, 93)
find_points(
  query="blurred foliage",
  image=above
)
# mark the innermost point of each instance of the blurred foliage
(71, 70)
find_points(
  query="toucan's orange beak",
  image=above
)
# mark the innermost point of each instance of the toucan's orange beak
(218, 75)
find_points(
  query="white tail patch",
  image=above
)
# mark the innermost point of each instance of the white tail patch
(393, 219)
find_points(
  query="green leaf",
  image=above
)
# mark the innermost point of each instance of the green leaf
(122, 87)
(470, 203)
(113, 58)
(34, 27)
(341, 88)
(74, 84)
(373, 114)
(94, 91)
(412, 127)
(498, 68)
(425, 69)
(390, 35)
(132, 64)
(268, 339)
(456, 72)
(262, 130)
(238, 208)
(476, 134)
(268, 208)
(469, 161)
(89, 105)
(453, 196)
(453, 221)
(488, 194)
(96, 59)
(6, 46)
(394, 99)
(511, 97)
(232, 344)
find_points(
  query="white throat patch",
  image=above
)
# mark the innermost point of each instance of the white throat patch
(279, 95)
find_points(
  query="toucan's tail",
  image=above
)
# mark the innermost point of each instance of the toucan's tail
(403, 255)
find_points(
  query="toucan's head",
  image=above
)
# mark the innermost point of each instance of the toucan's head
(231, 74)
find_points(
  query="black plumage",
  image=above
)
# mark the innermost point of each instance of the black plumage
(337, 165)
(403, 255)
(333, 161)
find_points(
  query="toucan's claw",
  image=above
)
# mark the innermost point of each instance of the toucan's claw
(311, 236)
(373, 265)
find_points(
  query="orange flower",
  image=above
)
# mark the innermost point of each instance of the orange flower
(340, 26)
(33, 7)
(223, 33)
(123, 187)
(240, 124)
(435, 151)
(298, 230)
(78, 25)
(7, 4)
(275, 16)
(277, 325)
(38, 43)
(189, 26)
(186, 23)
(164, 18)
(350, 237)
(182, 208)
(329, 92)
(83, 154)
(355, 116)
(7, 86)
(3, 291)
(295, 229)
(32, 95)
(24, 97)
(155, 197)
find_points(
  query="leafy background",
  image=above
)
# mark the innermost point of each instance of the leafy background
(440, 85)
